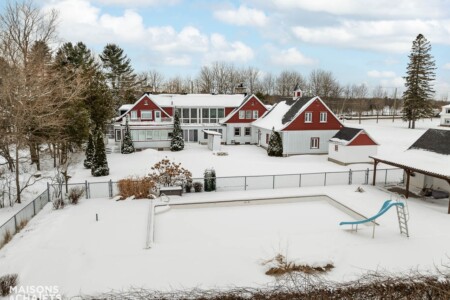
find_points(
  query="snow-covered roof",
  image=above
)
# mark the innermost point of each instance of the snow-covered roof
(283, 113)
(197, 100)
(421, 160)
(347, 134)
(126, 107)
(430, 153)
(448, 105)
(210, 132)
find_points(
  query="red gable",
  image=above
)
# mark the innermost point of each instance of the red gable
(248, 107)
(362, 139)
(314, 109)
(145, 103)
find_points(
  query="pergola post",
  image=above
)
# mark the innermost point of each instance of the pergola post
(448, 180)
(375, 163)
(408, 175)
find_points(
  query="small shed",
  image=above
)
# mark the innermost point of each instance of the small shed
(214, 140)
(351, 146)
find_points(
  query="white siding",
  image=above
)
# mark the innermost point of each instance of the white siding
(298, 142)
(351, 154)
(242, 139)
(420, 181)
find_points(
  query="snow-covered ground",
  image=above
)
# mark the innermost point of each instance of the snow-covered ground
(219, 246)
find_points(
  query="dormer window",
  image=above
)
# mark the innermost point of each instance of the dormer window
(323, 117)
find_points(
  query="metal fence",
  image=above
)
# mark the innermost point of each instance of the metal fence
(21, 218)
(232, 183)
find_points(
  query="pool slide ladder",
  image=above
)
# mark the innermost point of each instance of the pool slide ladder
(402, 216)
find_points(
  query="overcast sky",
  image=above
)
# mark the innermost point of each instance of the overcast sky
(358, 40)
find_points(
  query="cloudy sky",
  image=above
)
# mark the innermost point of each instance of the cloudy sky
(358, 40)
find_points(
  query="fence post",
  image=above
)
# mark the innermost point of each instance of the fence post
(245, 183)
(273, 182)
(110, 189)
(385, 177)
(299, 180)
(325, 179)
(86, 186)
(367, 176)
(48, 191)
(15, 223)
(34, 205)
(350, 176)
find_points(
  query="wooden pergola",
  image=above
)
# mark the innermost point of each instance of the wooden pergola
(408, 170)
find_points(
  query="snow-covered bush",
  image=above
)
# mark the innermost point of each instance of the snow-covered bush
(275, 147)
(188, 186)
(58, 203)
(139, 187)
(177, 142)
(210, 180)
(75, 194)
(6, 283)
(167, 173)
(90, 151)
(127, 142)
(99, 163)
(198, 186)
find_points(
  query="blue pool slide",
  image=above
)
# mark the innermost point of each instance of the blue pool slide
(386, 206)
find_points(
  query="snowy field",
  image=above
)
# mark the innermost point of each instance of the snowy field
(220, 246)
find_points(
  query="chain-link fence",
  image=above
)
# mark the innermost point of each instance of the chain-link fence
(232, 183)
(21, 218)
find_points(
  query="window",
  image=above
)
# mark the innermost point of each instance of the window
(255, 114)
(314, 143)
(205, 115)
(149, 134)
(447, 111)
(308, 117)
(185, 115)
(194, 115)
(336, 148)
(323, 117)
(213, 115)
(133, 115)
(146, 114)
(267, 138)
(220, 113)
(248, 114)
(242, 114)
(237, 131)
(248, 131)
(118, 135)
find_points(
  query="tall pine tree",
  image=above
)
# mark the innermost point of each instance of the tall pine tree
(177, 142)
(275, 147)
(99, 163)
(120, 75)
(419, 75)
(127, 142)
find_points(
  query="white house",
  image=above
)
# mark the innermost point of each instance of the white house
(305, 124)
(445, 115)
(351, 146)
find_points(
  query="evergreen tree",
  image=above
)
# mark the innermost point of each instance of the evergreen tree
(99, 163)
(275, 147)
(90, 151)
(120, 75)
(419, 75)
(177, 142)
(127, 143)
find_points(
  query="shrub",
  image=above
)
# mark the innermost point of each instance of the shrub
(127, 142)
(6, 283)
(58, 203)
(280, 266)
(167, 173)
(75, 194)
(7, 236)
(188, 186)
(275, 147)
(198, 186)
(139, 187)
(210, 180)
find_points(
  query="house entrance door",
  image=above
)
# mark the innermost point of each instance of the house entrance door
(190, 135)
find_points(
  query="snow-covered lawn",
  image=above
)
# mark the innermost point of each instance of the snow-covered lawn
(219, 246)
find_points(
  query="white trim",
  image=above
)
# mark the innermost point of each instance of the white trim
(146, 112)
(133, 115)
(232, 113)
(323, 113)
(310, 119)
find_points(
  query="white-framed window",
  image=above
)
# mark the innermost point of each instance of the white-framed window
(308, 117)
(255, 114)
(447, 111)
(237, 131)
(247, 131)
(248, 114)
(133, 115)
(242, 114)
(323, 117)
(315, 143)
(146, 114)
